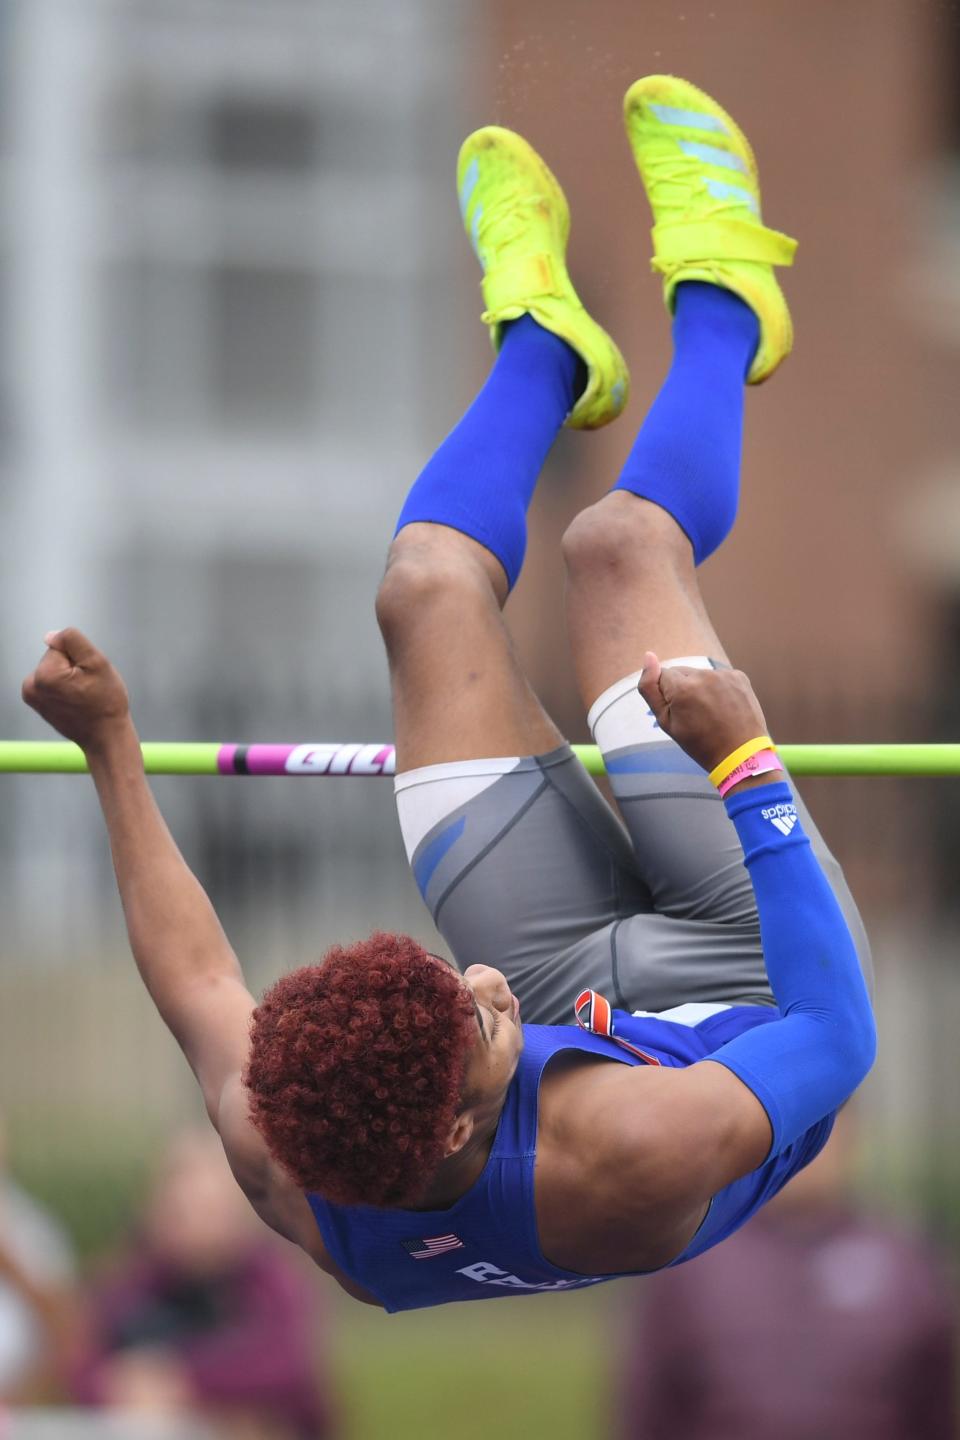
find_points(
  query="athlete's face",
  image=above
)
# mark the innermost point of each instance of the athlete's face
(493, 1059)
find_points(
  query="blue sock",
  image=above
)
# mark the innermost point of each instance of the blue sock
(687, 455)
(482, 478)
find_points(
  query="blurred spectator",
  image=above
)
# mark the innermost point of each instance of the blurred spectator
(36, 1272)
(203, 1313)
(813, 1323)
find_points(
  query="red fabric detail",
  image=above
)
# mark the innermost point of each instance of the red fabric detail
(593, 1013)
(602, 1016)
(583, 1009)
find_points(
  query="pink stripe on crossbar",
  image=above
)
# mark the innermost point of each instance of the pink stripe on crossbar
(268, 759)
(322, 758)
(225, 759)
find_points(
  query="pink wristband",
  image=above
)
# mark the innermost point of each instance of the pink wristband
(759, 764)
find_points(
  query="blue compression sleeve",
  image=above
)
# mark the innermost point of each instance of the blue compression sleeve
(687, 455)
(806, 1064)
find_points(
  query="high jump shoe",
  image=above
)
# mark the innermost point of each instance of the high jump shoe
(701, 180)
(517, 218)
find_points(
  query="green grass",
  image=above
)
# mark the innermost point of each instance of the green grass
(507, 1369)
(94, 1183)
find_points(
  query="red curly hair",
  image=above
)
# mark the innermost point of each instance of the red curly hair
(356, 1069)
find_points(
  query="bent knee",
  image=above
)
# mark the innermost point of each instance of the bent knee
(622, 533)
(425, 576)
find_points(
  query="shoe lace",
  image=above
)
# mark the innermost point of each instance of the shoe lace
(661, 170)
(508, 217)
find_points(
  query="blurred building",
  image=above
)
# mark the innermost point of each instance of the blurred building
(225, 259)
(237, 312)
(223, 262)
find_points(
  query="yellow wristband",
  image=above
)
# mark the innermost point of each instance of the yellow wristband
(743, 752)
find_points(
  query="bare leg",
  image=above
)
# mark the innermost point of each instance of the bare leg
(458, 690)
(632, 586)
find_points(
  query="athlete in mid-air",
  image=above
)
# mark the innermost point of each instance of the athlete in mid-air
(393, 1114)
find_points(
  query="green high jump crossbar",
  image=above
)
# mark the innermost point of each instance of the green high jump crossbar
(327, 758)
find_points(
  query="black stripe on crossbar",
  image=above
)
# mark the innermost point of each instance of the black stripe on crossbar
(240, 760)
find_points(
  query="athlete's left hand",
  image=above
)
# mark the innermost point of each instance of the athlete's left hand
(77, 691)
(710, 713)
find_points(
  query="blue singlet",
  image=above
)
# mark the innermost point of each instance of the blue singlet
(486, 1244)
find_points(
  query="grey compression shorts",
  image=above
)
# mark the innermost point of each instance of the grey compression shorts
(524, 866)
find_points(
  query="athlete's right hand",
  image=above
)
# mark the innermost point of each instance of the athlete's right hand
(77, 691)
(710, 713)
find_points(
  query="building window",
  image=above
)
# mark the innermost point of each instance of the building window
(257, 135)
(262, 329)
(149, 125)
(211, 346)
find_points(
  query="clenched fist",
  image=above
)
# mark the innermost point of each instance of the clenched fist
(709, 713)
(77, 691)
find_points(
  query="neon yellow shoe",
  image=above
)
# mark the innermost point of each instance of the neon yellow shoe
(701, 180)
(517, 219)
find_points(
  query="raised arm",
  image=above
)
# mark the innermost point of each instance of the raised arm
(184, 957)
(182, 953)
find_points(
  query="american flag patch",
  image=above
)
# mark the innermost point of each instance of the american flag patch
(432, 1245)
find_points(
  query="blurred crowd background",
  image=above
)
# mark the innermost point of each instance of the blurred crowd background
(236, 313)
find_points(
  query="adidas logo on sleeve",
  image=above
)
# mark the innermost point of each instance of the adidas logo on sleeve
(782, 817)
